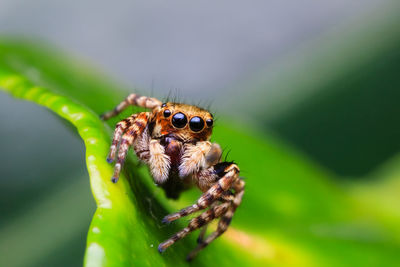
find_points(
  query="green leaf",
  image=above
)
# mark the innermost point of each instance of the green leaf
(292, 214)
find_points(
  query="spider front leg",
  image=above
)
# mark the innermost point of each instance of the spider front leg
(133, 127)
(132, 99)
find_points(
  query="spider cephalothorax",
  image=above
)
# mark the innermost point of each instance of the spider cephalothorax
(183, 122)
(173, 140)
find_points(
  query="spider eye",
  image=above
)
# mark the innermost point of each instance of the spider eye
(167, 113)
(179, 120)
(209, 122)
(164, 105)
(196, 124)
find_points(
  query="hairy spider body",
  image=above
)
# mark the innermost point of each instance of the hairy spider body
(173, 140)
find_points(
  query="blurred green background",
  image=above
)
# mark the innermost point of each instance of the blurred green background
(327, 88)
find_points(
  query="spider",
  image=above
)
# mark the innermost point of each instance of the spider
(173, 140)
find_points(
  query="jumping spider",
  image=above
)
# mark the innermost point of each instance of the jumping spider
(173, 140)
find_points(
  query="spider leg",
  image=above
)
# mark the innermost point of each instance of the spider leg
(227, 196)
(137, 127)
(195, 223)
(132, 99)
(222, 175)
(203, 231)
(120, 128)
(225, 220)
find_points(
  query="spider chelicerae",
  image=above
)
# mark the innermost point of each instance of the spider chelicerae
(173, 140)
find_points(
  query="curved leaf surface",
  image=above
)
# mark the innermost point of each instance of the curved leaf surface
(292, 213)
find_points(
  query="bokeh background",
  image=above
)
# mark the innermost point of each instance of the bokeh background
(323, 77)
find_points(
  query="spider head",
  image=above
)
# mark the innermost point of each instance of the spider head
(183, 122)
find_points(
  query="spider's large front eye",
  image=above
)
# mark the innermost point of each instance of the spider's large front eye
(179, 120)
(196, 124)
